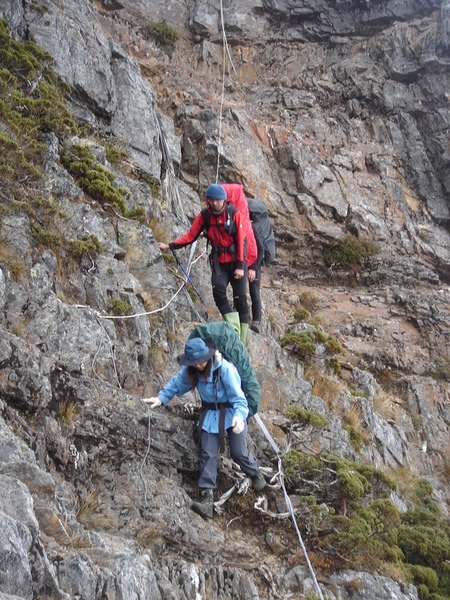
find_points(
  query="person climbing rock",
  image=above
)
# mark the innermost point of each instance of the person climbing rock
(224, 409)
(224, 229)
(265, 244)
(254, 286)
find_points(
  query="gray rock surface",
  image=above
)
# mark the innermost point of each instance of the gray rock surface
(337, 116)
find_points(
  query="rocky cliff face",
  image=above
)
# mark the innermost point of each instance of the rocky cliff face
(337, 115)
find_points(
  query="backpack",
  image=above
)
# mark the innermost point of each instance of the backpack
(236, 196)
(224, 337)
(262, 227)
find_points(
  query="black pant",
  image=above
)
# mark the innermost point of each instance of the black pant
(255, 295)
(220, 281)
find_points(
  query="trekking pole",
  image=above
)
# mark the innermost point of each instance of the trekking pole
(188, 277)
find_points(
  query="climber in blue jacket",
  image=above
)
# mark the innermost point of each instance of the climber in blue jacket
(224, 408)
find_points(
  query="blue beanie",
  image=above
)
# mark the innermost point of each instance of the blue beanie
(215, 192)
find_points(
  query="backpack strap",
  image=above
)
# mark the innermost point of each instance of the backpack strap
(229, 227)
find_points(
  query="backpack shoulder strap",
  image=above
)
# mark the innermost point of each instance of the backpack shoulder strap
(230, 209)
(205, 216)
(217, 380)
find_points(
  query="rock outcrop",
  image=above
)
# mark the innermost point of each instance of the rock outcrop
(337, 116)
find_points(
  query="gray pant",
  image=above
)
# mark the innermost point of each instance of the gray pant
(210, 453)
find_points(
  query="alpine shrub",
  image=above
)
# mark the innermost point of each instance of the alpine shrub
(348, 252)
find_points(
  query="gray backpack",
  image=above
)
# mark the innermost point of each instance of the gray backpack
(262, 228)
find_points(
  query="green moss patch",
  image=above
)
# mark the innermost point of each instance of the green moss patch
(348, 515)
(161, 32)
(32, 103)
(300, 344)
(87, 246)
(301, 416)
(349, 252)
(119, 307)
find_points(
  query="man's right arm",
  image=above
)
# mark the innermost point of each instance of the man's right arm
(189, 237)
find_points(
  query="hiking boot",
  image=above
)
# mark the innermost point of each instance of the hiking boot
(234, 320)
(258, 482)
(204, 507)
(256, 326)
(244, 331)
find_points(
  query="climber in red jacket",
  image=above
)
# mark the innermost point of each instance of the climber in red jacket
(225, 231)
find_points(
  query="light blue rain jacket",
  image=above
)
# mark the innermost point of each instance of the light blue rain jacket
(229, 390)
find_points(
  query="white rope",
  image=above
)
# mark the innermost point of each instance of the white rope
(141, 468)
(219, 141)
(225, 52)
(133, 316)
(281, 478)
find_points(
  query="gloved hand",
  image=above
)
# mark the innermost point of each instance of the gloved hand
(189, 407)
(152, 402)
(218, 356)
(238, 425)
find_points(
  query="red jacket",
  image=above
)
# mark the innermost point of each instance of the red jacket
(217, 236)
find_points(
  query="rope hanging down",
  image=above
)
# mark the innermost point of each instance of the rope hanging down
(225, 53)
(290, 508)
(170, 189)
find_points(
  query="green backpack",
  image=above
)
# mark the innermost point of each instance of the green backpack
(224, 337)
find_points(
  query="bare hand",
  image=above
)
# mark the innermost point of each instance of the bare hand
(163, 246)
(239, 274)
(251, 275)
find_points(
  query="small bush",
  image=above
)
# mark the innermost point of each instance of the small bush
(87, 246)
(332, 345)
(309, 301)
(420, 516)
(32, 102)
(298, 462)
(301, 344)
(148, 536)
(67, 411)
(299, 415)
(14, 265)
(114, 154)
(120, 307)
(161, 32)
(348, 252)
(322, 386)
(301, 314)
(45, 237)
(94, 179)
(424, 545)
(353, 425)
(423, 575)
(89, 505)
(335, 365)
(159, 232)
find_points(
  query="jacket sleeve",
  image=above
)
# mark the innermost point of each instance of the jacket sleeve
(260, 247)
(232, 384)
(191, 235)
(240, 239)
(178, 385)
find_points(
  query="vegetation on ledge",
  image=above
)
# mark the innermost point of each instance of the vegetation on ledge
(351, 521)
(32, 103)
